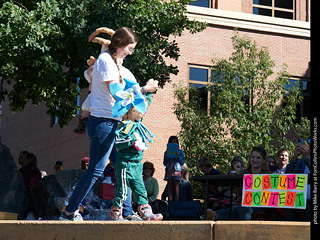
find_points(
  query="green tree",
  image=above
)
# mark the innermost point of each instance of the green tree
(245, 109)
(44, 46)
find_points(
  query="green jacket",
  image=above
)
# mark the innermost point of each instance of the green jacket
(124, 142)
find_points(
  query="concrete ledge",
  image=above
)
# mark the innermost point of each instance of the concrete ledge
(166, 230)
(111, 230)
(261, 230)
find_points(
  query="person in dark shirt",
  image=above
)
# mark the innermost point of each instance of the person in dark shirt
(300, 163)
(30, 172)
(22, 157)
(59, 166)
(204, 164)
(283, 160)
(31, 177)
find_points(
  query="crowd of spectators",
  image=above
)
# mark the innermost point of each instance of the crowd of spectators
(179, 188)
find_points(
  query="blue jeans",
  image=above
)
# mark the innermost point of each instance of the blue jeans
(238, 212)
(101, 132)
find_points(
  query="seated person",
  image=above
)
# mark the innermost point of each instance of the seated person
(271, 161)
(31, 177)
(151, 185)
(256, 164)
(58, 166)
(85, 163)
(300, 165)
(237, 166)
(30, 172)
(22, 157)
(109, 172)
(205, 166)
(283, 159)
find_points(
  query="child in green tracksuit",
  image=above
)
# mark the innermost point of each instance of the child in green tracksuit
(131, 142)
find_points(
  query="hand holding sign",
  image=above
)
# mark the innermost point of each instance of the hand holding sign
(172, 150)
(274, 190)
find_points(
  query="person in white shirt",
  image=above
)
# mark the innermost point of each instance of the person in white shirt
(101, 125)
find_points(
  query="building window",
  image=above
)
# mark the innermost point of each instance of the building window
(201, 3)
(304, 108)
(199, 77)
(54, 120)
(274, 8)
(78, 97)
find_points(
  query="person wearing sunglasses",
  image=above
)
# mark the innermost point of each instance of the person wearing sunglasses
(150, 182)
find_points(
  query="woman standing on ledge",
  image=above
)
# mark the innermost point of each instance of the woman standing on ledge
(101, 126)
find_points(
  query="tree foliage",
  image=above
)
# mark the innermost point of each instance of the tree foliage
(249, 106)
(44, 46)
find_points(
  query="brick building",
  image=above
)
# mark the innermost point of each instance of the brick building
(281, 25)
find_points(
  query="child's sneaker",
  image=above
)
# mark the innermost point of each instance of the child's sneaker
(147, 215)
(133, 217)
(75, 216)
(116, 214)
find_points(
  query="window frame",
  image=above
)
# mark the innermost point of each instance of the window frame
(273, 9)
(78, 97)
(209, 68)
(301, 106)
(54, 120)
(209, 1)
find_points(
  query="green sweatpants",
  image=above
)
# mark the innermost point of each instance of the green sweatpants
(129, 175)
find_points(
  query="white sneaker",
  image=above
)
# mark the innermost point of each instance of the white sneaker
(133, 217)
(147, 215)
(75, 216)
